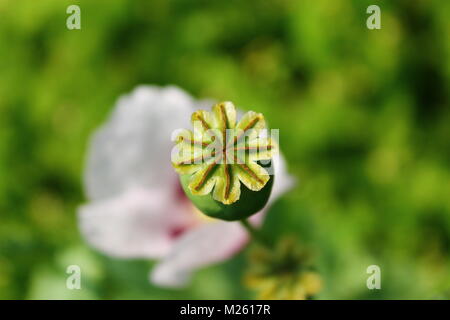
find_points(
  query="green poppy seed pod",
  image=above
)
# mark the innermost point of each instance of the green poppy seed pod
(220, 162)
(249, 203)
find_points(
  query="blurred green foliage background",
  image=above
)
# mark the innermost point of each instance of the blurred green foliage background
(364, 118)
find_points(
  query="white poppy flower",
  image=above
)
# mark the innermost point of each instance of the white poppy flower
(136, 206)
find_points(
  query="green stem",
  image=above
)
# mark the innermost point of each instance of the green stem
(255, 233)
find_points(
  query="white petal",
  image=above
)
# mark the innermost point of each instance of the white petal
(283, 180)
(129, 175)
(207, 244)
(139, 223)
(133, 148)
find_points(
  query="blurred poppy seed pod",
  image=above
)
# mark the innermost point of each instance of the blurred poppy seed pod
(219, 155)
